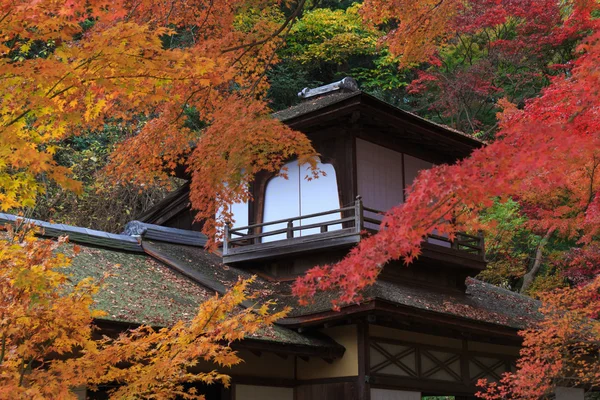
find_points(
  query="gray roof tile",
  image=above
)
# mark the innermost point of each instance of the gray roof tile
(78, 234)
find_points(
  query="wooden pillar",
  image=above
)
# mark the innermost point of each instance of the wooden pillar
(363, 387)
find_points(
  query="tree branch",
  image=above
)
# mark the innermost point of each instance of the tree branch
(530, 276)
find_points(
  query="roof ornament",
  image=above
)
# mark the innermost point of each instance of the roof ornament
(347, 84)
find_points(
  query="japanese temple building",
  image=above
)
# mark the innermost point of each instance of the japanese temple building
(429, 328)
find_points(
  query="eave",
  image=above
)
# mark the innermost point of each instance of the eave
(332, 352)
(405, 316)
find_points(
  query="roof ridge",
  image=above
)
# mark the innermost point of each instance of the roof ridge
(78, 234)
(165, 234)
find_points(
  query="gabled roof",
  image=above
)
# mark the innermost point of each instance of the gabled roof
(327, 103)
(173, 203)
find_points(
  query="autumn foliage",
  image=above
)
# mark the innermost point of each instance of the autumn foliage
(70, 67)
(559, 351)
(422, 27)
(42, 316)
(546, 155)
(187, 80)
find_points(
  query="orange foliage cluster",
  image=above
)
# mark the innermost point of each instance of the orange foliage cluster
(141, 64)
(39, 317)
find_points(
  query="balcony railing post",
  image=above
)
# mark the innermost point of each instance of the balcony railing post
(290, 232)
(226, 237)
(358, 214)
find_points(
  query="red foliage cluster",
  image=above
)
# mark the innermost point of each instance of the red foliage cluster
(582, 265)
(539, 23)
(492, 49)
(547, 153)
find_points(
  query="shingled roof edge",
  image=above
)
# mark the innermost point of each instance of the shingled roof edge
(165, 234)
(78, 234)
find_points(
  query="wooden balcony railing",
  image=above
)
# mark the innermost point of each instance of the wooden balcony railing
(345, 221)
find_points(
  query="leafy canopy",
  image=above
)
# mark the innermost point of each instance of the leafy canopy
(67, 68)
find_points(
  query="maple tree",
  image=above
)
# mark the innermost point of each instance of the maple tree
(546, 155)
(70, 67)
(486, 50)
(559, 351)
(533, 160)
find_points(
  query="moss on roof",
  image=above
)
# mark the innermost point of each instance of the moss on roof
(141, 290)
(482, 302)
(211, 269)
(314, 104)
(138, 289)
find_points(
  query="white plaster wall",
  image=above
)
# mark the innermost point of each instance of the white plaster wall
(316, 368)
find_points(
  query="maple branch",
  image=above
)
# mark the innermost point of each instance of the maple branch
(5, 15)
(273, 54)
(192, 94)
(3, 350)
(423, 15)
(208, 11)
(592, 175)
(287, 21)
(530, 276)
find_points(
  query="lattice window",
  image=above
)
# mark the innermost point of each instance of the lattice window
(410, 360)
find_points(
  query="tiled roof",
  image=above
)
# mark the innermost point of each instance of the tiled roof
(312, 105)
(140, 289)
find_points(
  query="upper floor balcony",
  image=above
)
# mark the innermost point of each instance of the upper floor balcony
(338, 229)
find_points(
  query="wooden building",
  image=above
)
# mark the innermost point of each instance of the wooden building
(426, 329)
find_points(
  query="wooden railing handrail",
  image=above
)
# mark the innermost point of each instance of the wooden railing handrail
(298, 218)
(292, 229)
(372, 210)
(462, 241)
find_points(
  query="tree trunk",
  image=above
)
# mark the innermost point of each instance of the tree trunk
(537, 263)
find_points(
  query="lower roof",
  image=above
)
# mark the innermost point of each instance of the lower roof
(138, 288)
(482, 302)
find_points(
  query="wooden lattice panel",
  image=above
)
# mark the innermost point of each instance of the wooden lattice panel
(403, 359)
(489, 368)
(395, 358)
